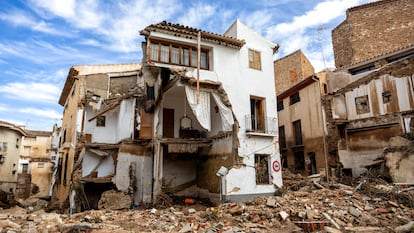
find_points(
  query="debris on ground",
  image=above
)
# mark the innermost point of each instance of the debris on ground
(305, 204)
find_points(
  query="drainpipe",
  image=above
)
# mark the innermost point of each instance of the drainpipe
(222, 172)
(323, 129)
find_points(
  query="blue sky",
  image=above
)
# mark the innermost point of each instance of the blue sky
(41, 39)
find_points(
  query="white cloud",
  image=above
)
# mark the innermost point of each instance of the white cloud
(20, 18)
(61, 8)
(33, 92)
(197, 14)
(323, 13)
(302, 32)
(44, 113)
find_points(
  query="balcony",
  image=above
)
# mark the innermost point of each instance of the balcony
(261, 126)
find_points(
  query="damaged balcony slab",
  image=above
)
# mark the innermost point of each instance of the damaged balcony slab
(181, 145)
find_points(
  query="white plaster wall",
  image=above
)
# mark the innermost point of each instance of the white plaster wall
(143, 168)
(339, 107)
(240, 82)
(358, 160)
(351, 107)
(90, 161)
(118, 123)
(126, 119)
(405, 91)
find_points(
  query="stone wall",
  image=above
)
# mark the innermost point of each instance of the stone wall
(373, 29)
(290, 70)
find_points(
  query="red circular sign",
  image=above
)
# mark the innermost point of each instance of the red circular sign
(276, 166)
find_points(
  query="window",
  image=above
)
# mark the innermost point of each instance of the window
(261, 164)
(53, 157)
(294, 98)
(100, 121)
(40, 165)
(282, 137)
(386, 97)
(257, 114)
(280, 106)
(178, 54)
(361, 104)
(3, 146)
(254, 59)
(297, 131)
(25, 168)
(17, 143)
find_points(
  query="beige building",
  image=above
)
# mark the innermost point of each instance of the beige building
(10, 144)
(35, 161)
(301, 127)
(82, 97)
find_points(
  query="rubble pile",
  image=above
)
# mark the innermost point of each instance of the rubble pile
(314, 207)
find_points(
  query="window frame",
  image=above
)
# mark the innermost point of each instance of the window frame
(262, 161)
(360, 109)
(294, 98)
(257, 113)
(101, 121)
(280, 106)
(185, 54)
(254, 58)
(297, 132)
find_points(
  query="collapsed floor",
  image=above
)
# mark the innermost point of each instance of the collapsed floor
(304, 205)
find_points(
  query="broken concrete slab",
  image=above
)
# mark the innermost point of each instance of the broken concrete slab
(114, 200)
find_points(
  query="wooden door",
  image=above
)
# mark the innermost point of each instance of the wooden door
(168, 123)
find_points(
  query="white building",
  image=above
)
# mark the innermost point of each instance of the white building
(148, 130)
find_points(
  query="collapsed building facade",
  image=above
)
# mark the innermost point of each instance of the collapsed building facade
(371, 94)
(197, 118)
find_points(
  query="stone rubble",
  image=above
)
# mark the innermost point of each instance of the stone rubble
(334, 209)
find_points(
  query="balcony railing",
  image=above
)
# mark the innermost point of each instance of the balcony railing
(260, 124)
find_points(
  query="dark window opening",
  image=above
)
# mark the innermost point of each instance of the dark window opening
(150, 92)
(294, 98)
(280, 106)
(312, 162)
(284, 159)
(386, 97)
(165, 76)
(299, 161)
(362, 104)
(363, 70)
(100, 121)
(65, 170)
(282, 137)
(262, 168)
(325, 88)
(297, 131)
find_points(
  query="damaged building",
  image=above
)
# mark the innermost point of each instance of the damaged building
(371, 94)
(196, 119)
(301, 121)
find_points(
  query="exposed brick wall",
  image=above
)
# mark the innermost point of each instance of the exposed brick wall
(290, 70)
(373, 29)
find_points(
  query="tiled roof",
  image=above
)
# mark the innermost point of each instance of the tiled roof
(191, 33)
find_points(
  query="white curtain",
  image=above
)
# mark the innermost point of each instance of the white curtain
(225, 113)
(202, 109)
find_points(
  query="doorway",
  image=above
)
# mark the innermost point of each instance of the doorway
(168, 123)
